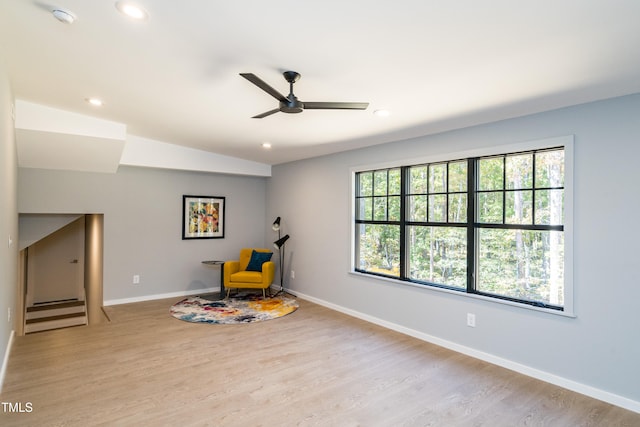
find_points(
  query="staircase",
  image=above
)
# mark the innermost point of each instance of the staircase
(55, 315)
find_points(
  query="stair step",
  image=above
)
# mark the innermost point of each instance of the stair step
(49, 306)
(56, 317)
(50, 323)
(55, 311)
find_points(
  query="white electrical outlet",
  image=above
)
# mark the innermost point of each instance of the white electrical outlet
(136, 279)
(293, 274)
(471, 320)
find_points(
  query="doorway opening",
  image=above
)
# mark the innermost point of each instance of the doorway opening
(61, 271)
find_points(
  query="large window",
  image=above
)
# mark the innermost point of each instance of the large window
(488, 225)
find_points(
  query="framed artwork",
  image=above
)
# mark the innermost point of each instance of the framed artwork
(202, 217)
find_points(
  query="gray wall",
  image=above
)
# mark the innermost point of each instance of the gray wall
(142, 223)
(8, 214)
(599, 348)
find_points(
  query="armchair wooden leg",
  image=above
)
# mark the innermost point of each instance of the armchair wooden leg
(228, 291)
(263, 294)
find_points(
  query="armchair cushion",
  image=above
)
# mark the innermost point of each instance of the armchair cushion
(247, 277)
(257, 259)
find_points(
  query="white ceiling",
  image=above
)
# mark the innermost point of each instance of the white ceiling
(436, 65)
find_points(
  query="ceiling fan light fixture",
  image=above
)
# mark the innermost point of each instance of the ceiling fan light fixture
(132, 10)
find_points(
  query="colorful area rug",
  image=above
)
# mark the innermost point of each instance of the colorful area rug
(240, 309)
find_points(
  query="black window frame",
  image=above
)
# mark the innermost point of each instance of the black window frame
(472, 225)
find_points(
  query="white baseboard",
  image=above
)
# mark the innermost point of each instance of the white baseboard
(5, 361)
(161, 296)
(581, 388)
(168, 295)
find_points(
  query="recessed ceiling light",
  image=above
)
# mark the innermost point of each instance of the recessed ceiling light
(382, 113)
(266, 145)
(132, 10)
(64, 16)
(96, 102)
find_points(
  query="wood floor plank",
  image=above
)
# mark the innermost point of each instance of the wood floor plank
(314, 367)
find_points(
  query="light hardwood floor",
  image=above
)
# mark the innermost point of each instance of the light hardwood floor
(314, 367)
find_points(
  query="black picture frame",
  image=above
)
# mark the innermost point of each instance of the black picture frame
(203, 217)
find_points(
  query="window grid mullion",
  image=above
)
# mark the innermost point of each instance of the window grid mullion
(404, 172)
(533, 188)
(504, 186)
(387, 197)
(446, 199)
(472, 177)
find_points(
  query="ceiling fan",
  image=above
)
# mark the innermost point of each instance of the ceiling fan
(291, 104)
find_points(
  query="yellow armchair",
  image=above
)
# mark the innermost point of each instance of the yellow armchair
(236, 274)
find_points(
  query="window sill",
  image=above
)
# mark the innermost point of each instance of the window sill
(464, 295)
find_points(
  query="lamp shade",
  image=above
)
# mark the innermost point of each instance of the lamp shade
(280, 242)
(276, 224)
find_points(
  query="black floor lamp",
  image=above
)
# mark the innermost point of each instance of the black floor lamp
(279, 245)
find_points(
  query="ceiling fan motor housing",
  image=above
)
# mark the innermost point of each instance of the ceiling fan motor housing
(292, 105)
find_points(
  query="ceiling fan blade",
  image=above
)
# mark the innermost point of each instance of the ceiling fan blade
(267, 113)
(264, 86)
(335, 105)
